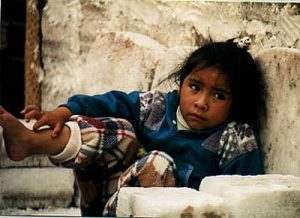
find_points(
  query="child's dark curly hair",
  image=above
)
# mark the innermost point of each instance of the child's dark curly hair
(245, 77)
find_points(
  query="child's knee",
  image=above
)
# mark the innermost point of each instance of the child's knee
(122, 132)
(125, 124)
(156, 169)
(111, 130)
(158, 160)
(112, 139)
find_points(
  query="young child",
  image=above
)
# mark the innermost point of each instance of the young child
(148, 139)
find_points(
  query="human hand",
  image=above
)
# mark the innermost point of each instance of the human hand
(55, 118)
(31, 112)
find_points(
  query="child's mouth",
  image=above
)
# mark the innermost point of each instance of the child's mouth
(197, 117)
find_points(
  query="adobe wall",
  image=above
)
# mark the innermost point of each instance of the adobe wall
(94, 46)
(86, 43)
(91, 46)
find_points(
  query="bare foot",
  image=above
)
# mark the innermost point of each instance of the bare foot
(16, 136)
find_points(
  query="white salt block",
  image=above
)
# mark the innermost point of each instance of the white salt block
(169, 202)
(257, 196)
(36, 187)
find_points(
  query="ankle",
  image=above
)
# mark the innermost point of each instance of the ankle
(18, 150)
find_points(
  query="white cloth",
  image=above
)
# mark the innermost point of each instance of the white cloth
(181, 124)
(73, 145)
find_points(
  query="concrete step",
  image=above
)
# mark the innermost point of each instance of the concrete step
(36, 187)
(70, 212)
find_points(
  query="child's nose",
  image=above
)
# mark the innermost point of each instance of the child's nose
(202, 102)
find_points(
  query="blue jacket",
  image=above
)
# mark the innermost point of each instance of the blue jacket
(230, 148)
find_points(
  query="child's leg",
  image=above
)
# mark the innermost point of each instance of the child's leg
(21, 142)
(109, 146)
(156, 169)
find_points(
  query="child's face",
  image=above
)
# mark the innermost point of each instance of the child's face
(205, 99)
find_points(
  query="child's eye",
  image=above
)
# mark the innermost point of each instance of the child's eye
(195, 87)
(219, 96)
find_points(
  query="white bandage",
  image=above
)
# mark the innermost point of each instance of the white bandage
(73, 146)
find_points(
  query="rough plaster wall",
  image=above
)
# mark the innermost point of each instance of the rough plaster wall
(91, 46)
(168, 64)
(71, 29)
(280, 135)
(122, 60)
(61, 50)
(94, 46)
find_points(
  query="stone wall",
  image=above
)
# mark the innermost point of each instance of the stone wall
(280, 129)
(87, 42)
(92, 46)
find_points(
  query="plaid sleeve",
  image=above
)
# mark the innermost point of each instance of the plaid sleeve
(237, 139)
(152, 109)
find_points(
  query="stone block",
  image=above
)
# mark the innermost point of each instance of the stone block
(116, 60)
(280, 133)
(33, 161)
(264, 196)
(168, 64)
(42, 213)
(117, 57)
(36, 187)
(169, 202)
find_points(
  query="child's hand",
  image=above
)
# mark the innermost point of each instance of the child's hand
(31, 112)
(55, 118)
